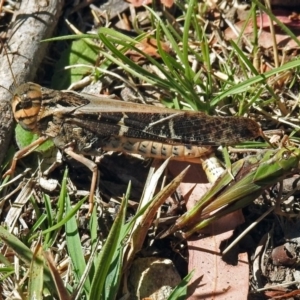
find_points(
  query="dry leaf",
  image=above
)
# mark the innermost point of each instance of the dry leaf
(167, 3)
(138, 3)
(213, 277)
(149, 47)
(265, 37)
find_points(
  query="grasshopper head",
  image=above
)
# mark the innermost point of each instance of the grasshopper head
(26, 105)
(289, 158)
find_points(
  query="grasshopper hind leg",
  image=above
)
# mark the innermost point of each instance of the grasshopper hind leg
(94, 169)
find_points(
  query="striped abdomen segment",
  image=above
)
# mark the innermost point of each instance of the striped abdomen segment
(156, 149)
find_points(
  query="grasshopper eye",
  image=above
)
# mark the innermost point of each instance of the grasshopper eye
(286, 155)
(24, 104)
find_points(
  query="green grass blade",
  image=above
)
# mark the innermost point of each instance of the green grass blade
(109, 251)
(75, 248)
(180, 291)
(36, 272)
(24, 254)
(244, 86)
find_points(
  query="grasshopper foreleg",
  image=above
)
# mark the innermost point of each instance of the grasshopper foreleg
(23, 152)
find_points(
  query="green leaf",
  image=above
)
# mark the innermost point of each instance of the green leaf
(25, 138)
(78, 53)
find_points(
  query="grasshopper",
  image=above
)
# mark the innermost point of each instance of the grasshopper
(252, 175)
(82, 124)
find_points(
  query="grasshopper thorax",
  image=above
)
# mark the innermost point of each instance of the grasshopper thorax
(26, 105)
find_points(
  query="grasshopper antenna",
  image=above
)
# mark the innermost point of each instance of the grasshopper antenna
(14, 84)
